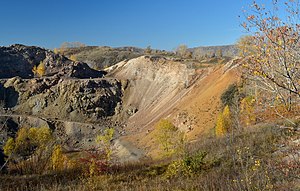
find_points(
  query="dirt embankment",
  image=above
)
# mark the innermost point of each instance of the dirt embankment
(163, 88)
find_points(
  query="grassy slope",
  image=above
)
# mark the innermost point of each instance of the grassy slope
(229, 166)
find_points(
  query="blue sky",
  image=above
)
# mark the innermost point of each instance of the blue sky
(163, 24)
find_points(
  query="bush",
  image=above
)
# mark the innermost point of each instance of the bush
(229, 94)
(9, 146)
(188, 166)
(30, 150)
(28, 141)
(59, 161)
(39, 70)
(171, 140)
(98, 162)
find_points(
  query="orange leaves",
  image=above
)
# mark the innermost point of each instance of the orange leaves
(251, 17)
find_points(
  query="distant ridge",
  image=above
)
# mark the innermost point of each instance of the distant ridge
(227, 50)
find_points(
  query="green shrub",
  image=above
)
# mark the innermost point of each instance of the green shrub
(229, 94)
(188, 166)
(171, 140)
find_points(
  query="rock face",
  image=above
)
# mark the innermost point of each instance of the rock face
(68, 90)
(71, 98)
(155, 85)
(64, 99)
(19, 60)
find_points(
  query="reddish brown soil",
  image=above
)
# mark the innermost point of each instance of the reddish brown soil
(159, 90)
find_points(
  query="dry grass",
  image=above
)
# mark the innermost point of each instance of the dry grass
(245, 161)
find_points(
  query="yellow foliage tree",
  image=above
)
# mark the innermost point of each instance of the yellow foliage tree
(246, 46)
(28, 141)
(275, 64)
(40, 69)
(105, 141)
(58, 159)
(73, 58)
(227, 118)
(247, 110)
(224, 122)
(171, 140)
(56, 50)
(9, 147)
(220, 126)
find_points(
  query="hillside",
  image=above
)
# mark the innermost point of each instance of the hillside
(147, 88)
(105, 124)
(102, 57)
(189, 98)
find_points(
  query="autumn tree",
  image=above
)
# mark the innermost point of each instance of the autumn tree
(56, 50)
(171, 140)
(245, 46)
(100, 160)
(28, 141)
(275, 64)
(39, 70)
(105, 142)
(247, 112)
(220, 126)
(73, 57)
(33, 150)
(197, 54)
(224, 122)
(58, 159)
(181, 50)
(219, 53)
(148, 50)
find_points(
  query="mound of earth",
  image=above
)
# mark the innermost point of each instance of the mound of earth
(155, 84)
(19, 60)
(188, 98)
(103, 56)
